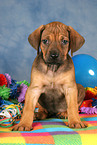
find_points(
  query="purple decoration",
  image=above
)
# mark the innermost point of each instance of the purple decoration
(88, 110)
(23, 89)
(8, 77)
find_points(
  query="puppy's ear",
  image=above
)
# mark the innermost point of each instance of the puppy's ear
(35, 37)
(76, 40)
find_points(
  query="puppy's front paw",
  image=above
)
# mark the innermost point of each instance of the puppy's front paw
(75, 124)
(22, 128)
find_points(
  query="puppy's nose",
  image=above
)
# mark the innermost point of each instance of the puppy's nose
(54, 55)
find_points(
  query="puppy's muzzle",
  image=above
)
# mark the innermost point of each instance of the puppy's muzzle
(54, 55)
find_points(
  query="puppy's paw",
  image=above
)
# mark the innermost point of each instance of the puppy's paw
(77, 124)
(62, 115)
(40, 115)
(22, 128)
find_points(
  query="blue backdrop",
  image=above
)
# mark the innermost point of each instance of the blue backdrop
(18, 18)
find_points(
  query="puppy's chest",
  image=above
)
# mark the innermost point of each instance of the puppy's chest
(55, 80)
(51, 80)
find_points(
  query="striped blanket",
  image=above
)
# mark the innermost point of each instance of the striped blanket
(53, 132)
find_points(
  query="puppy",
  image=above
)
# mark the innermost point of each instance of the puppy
(53, 82)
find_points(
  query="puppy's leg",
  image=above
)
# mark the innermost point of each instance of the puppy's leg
(81, 95)
(31, 99)
(71, 94)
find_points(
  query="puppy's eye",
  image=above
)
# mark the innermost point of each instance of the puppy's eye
(45, 41)
(64, 42)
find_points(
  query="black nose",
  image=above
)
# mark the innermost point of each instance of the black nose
(54, 55)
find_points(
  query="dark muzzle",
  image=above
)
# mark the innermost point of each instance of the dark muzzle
(54, 55)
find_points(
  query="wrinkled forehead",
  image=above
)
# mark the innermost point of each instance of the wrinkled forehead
(56, 29)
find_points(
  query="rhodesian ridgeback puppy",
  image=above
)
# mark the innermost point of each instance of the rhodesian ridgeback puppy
(53, 83)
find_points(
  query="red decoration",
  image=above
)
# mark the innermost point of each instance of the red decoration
(89, 95)
(3, 80)
(87, 103)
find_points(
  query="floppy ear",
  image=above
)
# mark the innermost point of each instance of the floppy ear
(34, 38)
(76, 40)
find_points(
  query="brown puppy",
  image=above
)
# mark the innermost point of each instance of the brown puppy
(53, 77)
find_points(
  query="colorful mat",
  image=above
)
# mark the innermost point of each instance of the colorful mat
(53, 132)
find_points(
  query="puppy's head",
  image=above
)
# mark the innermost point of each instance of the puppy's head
(55, 40)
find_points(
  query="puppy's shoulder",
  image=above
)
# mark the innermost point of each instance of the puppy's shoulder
(39, 64)
(67, 65)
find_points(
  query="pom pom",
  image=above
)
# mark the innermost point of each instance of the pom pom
(4, 92)
(1, 101)
(3, 80)
(23, 82)
(89, 95)
(89, 110)
(14, 93)
(94, 103)
(21, 97)
(8, 77)
(87, 103)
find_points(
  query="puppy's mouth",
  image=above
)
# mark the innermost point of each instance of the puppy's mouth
(50, 61)
(53, 67)
(53, 60)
